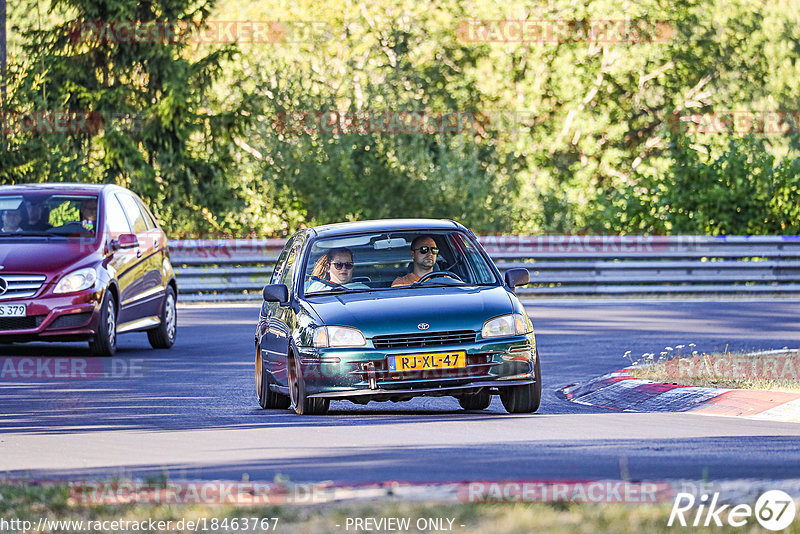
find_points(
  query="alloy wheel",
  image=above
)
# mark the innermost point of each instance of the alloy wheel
(259, 376)
(111, 324)
(170, 316)
(294, 384)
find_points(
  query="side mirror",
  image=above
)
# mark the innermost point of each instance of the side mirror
(276, 293)
(125, 241)
(517, 277)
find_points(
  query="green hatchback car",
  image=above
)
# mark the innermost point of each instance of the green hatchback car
(390, 310)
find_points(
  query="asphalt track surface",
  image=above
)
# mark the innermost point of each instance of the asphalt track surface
(191, 411)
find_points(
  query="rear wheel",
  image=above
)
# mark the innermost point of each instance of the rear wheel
(524, 399)
(104, 341)
(267, 398)
(297, 392)
(478, 401)
(163, 336)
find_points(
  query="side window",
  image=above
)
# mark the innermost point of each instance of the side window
(280, 264)
(291, 261)
(134, 213)
(148, 217)
(480, 270)
(115, 217)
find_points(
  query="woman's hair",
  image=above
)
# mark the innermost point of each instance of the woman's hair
(323, 265)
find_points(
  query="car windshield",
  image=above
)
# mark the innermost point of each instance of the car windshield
(382, 261)
(47, 214)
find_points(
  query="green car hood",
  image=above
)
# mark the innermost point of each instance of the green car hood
(402, 310)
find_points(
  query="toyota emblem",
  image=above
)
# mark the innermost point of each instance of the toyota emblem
(423, 326)
(3, 286)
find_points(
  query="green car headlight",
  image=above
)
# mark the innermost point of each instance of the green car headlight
(338, 336)
(513, 324)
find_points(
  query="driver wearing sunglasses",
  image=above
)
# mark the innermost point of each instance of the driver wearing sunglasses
(423, 255)
(332, 270)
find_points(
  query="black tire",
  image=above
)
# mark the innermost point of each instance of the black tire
(478, 401)
(267, 399)
(297, 392)
(163, 336)
(104, 341)
(524, 399)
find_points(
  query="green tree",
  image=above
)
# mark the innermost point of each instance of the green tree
(743, 191)
(595, 147)
(159, 135)
(372, 61)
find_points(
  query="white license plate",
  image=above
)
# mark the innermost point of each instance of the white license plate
(13, 310)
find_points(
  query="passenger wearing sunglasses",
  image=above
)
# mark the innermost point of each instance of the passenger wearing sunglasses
(423, 255)
(332, 270)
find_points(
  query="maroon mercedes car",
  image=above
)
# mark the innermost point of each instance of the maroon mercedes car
(83, 262)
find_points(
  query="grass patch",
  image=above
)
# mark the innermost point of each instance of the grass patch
(770, 370)
(26, 502)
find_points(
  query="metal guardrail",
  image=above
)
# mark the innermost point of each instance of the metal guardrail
(238, 269)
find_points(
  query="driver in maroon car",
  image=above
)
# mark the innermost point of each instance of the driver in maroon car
(11, 221)
(423, 254)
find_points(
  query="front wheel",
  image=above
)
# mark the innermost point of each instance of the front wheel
(297, 392)
(267, 398)
(526, 398)
(163, 336)
(104, 341)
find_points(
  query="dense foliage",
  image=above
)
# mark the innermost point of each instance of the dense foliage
(573, 134)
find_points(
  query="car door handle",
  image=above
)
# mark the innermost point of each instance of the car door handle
(138, 253)
(155, 244)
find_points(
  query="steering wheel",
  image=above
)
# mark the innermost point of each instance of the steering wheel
(438, 274)
(326, 282)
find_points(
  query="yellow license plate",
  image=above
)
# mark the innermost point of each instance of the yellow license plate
(421, 362)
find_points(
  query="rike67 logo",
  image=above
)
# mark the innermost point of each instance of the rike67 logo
(774, 510)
